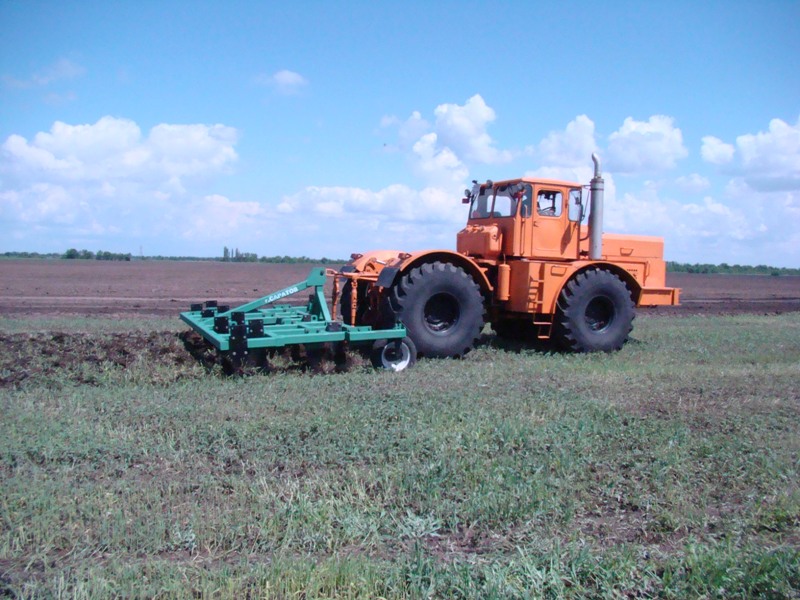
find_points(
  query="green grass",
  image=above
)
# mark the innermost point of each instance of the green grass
(668, 469)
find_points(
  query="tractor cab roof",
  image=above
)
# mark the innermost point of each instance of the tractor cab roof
(534, 180)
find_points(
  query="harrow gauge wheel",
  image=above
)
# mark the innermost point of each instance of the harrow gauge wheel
(394, 355)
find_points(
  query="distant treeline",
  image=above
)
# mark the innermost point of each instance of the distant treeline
(31, 255)
(726, 269)
(302, 260)
(234, 256)
(251, 258)
(72, 253)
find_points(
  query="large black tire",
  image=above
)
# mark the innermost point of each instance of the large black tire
(595, 313)
(441, 307)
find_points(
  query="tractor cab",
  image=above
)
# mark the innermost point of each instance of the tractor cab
(524, 218)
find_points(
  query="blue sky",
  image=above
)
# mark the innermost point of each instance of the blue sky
(325, 128)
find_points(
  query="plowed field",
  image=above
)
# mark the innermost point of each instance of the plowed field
(163, 288)
(49, 289)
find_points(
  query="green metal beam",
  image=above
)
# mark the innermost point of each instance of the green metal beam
(315, 279)
(287, 324)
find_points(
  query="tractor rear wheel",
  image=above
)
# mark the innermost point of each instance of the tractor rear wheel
(595, 313)
(441, 307)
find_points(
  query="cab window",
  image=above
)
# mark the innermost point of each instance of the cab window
(549, 203)
(481, 205)
(505, 203)
(576, 207)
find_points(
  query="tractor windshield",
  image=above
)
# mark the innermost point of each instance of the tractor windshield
(481, 205)
(499, 201)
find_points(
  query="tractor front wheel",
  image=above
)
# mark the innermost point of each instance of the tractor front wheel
(442, 308)
(595, 313)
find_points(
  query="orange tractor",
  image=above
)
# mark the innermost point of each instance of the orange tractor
(529, 261)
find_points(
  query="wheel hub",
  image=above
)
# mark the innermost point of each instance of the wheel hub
(441, 312)
(395, 356)
(599, 314)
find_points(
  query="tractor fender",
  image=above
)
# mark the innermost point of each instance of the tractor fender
(375, 261)
(390, 265)
(416, 259)
(629, 280)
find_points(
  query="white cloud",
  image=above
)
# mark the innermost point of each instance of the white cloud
(776, 150)
(95, 179)
(111, 185)
(411, 130)
(285, 82)
(747, 222)
(10, 204)
(436, 164)
(768, 160)
(63, 68)
(715, 151)
(55, 99)
(712, 219)
(645, 146)
(571, 147)
(771, 159)
(392, 203)
(114, 148)
(739, 225)
(41, 202)
(84, 145)
(441, 152)
(458, 130)
(463, 130)
(20, 155)
(644, 212)
(692, 184)
(580, 174)
(217, 218)
(396, 216)
(193, 149)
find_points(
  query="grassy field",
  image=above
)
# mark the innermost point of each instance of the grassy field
(669, 469)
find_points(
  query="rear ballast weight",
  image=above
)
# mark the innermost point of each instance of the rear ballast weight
(243, 334)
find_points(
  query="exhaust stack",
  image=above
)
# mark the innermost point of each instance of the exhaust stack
(596, 188)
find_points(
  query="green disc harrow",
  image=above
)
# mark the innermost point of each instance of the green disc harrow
(243, 333)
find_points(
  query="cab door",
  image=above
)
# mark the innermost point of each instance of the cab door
(554, 235)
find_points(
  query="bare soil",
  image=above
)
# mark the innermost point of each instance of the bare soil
(152, 288)
(53, 288)
(733, 294)
(165, 288)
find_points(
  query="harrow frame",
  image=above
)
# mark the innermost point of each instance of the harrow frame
(262, 324)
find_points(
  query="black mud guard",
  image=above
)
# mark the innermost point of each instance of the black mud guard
(387, 277)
